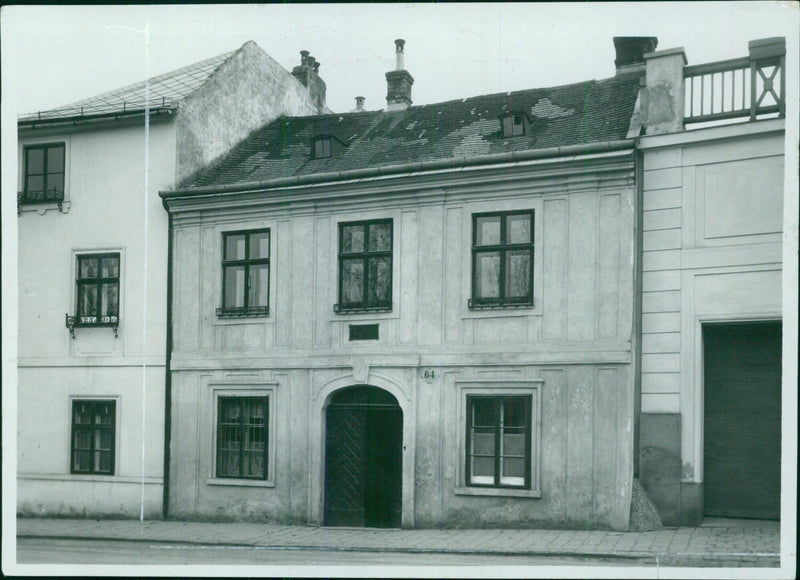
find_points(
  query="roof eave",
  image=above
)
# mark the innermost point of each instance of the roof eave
(32, 123)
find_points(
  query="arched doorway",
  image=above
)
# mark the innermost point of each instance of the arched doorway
(363, 458)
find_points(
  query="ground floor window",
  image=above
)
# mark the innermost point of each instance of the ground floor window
(499, 441)
(242, 437)
(93, 436)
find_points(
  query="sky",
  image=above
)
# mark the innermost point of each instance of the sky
(59, 54)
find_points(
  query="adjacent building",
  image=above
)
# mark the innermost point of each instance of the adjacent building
(92, 271)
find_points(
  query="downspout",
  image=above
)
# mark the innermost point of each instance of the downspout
(168, 377)
(637, 305)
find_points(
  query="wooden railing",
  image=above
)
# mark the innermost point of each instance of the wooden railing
(753, 86)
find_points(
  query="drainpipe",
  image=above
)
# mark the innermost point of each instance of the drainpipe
(637, 305)
(168, 376)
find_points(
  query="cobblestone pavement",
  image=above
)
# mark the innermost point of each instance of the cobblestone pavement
(749, 544)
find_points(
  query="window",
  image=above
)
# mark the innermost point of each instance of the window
(245, 274)
(44, 173)
(513, 125)
(97, 296)
(322, 147)
(242, 436)
(365, 266)
(93, 434)
(502, 259)
(498, 441)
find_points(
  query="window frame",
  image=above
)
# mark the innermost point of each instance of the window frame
(323, 140)
(86, 320)
(93, 428)
(365, 255)
(241, 436)
(501, 388)
(26, 195)
(502, 301)
(512, 116)
(261, 310)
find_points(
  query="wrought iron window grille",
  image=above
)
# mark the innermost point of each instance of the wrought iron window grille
(243, 311)
(38, 197)
(73, 322)
(474, 304)
(346, 309)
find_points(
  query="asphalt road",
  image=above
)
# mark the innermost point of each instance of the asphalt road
(114, 552)
(87, 552)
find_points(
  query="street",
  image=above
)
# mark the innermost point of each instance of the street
(100, 552)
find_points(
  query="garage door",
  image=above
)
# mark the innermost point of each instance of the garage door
(742, 420)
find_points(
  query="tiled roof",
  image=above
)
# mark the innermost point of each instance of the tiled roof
(582, 113)
(165, 91)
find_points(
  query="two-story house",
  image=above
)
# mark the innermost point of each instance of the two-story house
(413, 317)
(93, 241)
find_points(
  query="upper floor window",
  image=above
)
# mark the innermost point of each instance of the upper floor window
(365, 266)
(44, 173)
(498, 441)
(93, 436)
(245, 273)
(502, 259)
(513, 124)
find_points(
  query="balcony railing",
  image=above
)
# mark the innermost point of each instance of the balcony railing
(74, 322)
(43, 196)
(753, 86)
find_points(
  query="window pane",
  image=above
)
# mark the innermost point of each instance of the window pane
(352, 281)
(109, 299)
(110, 268)
(483, 443)
(352, 239)
(35, 183)
(104, 414)
(514, 412)
(35, 161)
(88, 267)
(518, 273)
(515, 468)
(55, 181)
(483, 467)
(517, 125)
(87, 300)
(380, 237)
(487, 273)
(104, 461)
(519, 229)
(483, 413)
(81, 413)
(259, 285)
(104, 439)
(379, 288)
(234, 247)
(82, 439)
(513, 444)
(82, 460)
(259, 245)
(488, 230)
(234, 286)
(55, 159)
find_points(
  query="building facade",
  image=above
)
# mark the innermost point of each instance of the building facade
(712, 224)
(93, 243)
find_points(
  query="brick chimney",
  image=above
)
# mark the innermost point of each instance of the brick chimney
(308, 74)
(399, 81)
(631, 51)
(359, 105)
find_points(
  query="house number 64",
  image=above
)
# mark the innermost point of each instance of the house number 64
(429, 375)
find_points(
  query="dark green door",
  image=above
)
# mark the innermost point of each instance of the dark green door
(742, 426)
(363, 459)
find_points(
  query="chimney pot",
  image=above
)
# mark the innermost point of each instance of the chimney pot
(311, 61)
(303, 57)
(359, 104)
(399, 52)
(631, 50)
(316, 67)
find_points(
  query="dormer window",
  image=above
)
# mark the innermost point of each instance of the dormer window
(513, 124)
(322, 147)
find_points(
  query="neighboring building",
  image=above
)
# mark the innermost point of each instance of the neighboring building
(712, 222)
(422, 316)
(92, 247)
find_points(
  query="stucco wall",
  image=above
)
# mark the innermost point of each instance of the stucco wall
(574, 344)
(105, 212)
(247, 91)
(712, 215)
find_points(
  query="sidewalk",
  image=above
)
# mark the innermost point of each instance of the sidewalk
(737, 542)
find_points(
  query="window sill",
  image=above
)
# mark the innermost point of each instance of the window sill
(358, 310)
(43, 207)
(240, 482)
(498, 492)
(246, 312)
(499, 306)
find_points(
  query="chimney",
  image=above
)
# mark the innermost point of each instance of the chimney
(631, 51)
(308, 74)
(359, 105)
(399, 81)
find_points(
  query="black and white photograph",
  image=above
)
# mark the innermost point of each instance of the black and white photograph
(400, 290)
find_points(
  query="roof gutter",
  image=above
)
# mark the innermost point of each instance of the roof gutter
(79, 119)
(450, 163)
